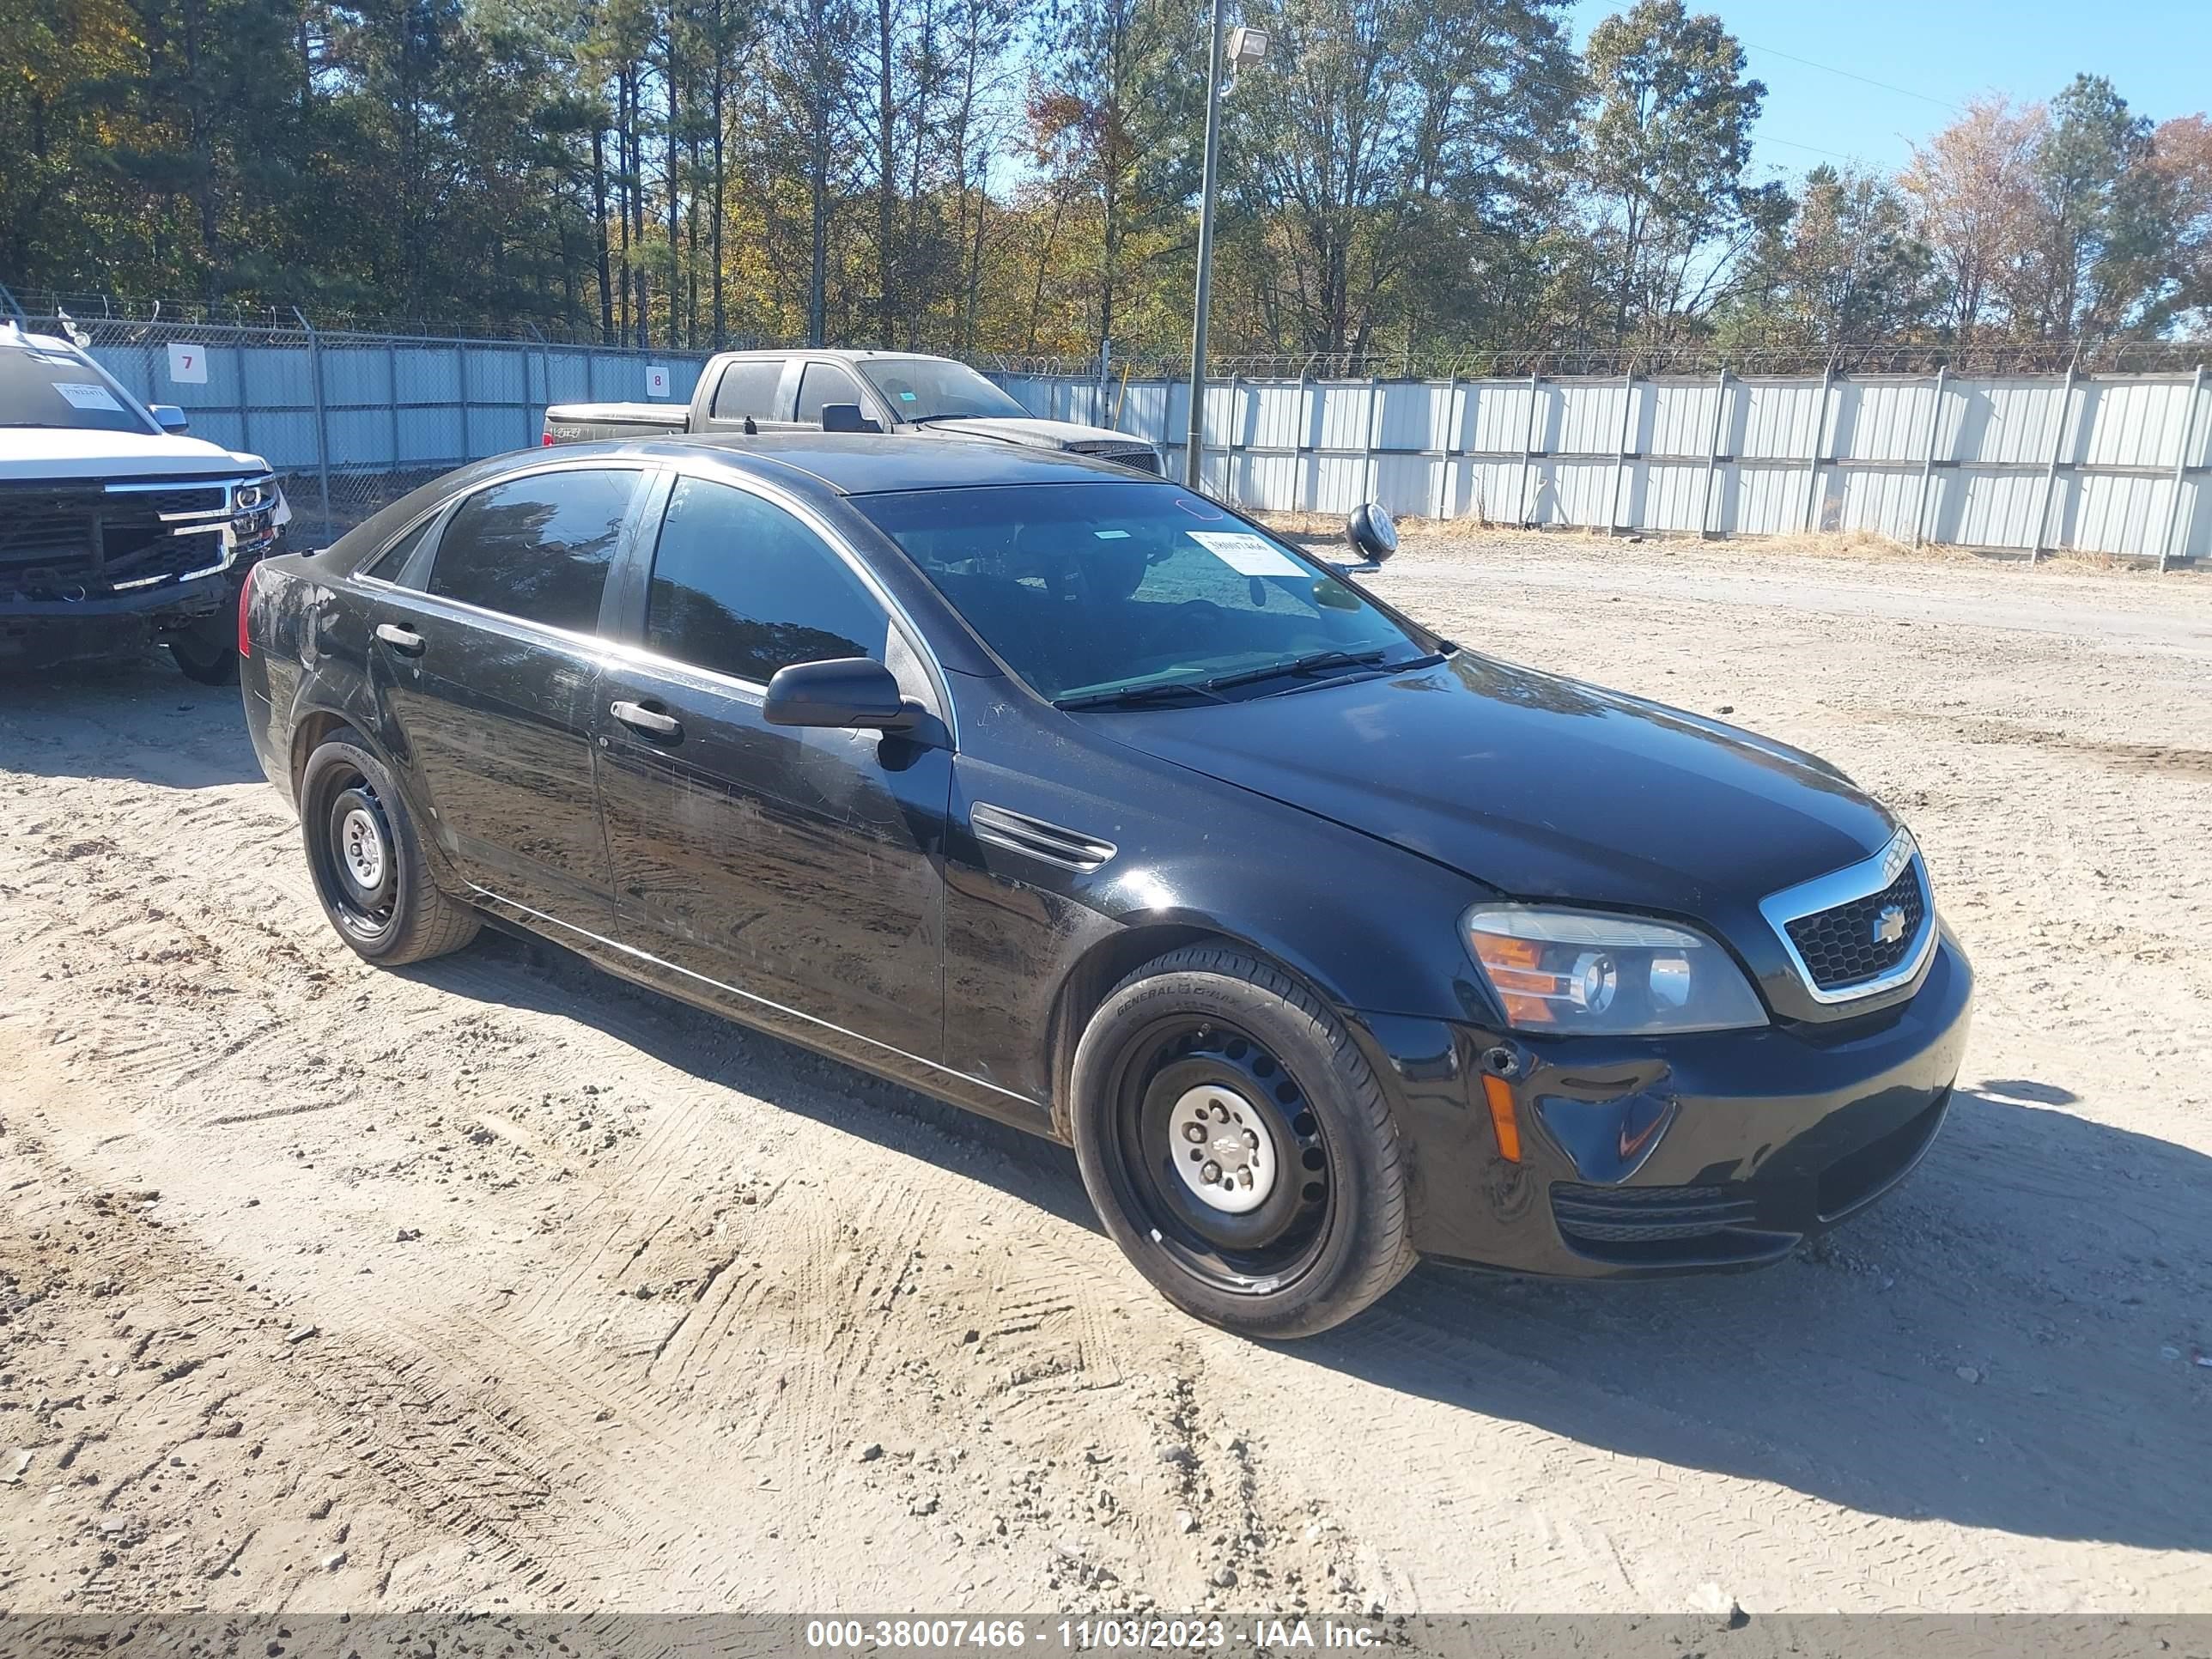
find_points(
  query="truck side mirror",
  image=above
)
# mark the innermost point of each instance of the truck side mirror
(170, 418)
(847, 417)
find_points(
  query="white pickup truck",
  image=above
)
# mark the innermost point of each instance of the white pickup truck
(899, 394)
(115, 528)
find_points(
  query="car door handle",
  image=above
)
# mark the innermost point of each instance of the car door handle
(649, 723)
(405, 641)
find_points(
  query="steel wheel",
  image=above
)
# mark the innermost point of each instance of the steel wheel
(1219, 1156)
(356, 859)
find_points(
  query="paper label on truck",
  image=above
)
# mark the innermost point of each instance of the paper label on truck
(82, 394)
(1246, 554)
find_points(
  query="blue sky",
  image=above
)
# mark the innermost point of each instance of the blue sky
(2158, 53)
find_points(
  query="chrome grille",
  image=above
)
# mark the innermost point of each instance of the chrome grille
(70, 543)
(1846, 946)
(1862, 930)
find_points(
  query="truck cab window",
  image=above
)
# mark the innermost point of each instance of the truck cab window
(824, 383)
(748, 388)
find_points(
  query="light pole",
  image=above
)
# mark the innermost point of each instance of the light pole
(1245, 47)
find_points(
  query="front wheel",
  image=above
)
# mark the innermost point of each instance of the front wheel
(1238, 1147)
(206, 652)
(367, 861)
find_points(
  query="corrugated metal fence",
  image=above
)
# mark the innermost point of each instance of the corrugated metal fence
(2118, 464)
(352, 420)
(2112, 465)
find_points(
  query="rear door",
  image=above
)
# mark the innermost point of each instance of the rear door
(484, 653)
(800, 868)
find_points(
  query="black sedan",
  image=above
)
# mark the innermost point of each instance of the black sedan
(1083, 802)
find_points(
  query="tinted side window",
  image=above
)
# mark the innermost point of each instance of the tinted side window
(824, 383)
(748, 388)
(389, 564)
(741, 586)
(538, 548)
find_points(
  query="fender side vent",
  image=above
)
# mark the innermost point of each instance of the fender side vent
(1070, 849)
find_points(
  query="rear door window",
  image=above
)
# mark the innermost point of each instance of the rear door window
(538, 548)
(748, 389)
(824, 383)
(743, 587)
(393, 560)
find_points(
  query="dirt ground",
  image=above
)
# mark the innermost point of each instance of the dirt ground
(495, 1283)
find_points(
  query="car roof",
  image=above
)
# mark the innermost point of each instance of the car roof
(865, 464)
(13, 334)
(836, 354)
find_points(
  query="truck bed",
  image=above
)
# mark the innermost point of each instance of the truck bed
(575, 423)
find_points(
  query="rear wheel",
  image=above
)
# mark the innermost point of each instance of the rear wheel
(367, 861)
(1238, 1147)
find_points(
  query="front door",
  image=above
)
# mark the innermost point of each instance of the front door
(797, 868)
(488, 664)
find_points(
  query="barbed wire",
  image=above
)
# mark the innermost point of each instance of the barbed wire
(125, 318)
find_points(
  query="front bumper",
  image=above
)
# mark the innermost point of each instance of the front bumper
(1718, 1151)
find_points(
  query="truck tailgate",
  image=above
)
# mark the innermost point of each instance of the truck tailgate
(586, 422)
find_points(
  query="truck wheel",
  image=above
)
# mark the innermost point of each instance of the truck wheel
(367, 861)
(205, 654)
(1238, 1147)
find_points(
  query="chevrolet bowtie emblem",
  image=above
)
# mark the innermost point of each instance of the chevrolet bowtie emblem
(1889, 925)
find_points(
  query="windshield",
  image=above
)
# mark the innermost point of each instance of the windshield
(931, 389)
(1096, 593)
(38, 387)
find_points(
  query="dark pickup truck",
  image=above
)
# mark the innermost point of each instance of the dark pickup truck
(896, 393)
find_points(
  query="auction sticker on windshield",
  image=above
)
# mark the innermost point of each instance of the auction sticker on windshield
(1246, 554)
(83, 395)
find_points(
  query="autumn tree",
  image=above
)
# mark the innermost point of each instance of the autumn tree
(1667, 143)
(1385, 148)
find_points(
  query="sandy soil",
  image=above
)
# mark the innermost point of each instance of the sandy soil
(496, 1284)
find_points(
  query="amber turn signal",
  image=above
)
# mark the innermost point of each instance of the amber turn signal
(1498, 1093)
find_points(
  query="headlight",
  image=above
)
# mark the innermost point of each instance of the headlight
(247, 497)
(1582, 973)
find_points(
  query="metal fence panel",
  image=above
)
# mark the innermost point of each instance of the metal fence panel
(2108, 463)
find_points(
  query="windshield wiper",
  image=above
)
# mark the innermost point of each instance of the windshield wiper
(1133, 696)
(1312, 663)
(1429, 661)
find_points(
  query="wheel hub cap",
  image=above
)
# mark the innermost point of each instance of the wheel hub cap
(1223, 1150)
(360, 844)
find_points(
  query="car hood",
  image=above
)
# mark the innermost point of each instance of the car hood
(1037, 433)
(75, 453)
(1537, 786)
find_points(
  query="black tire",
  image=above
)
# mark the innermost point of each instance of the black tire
(367, 862)
(1212, 1035)
(207, 655)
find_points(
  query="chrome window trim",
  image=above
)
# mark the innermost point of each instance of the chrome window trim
(605, 650)
(841, 548)
(1855, 881)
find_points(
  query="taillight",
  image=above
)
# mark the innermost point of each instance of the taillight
(547, 440)
(245, 599)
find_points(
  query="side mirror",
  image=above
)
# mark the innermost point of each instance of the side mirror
(170, 418)
(847, 417)
(851, 693)
(1371, 533)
